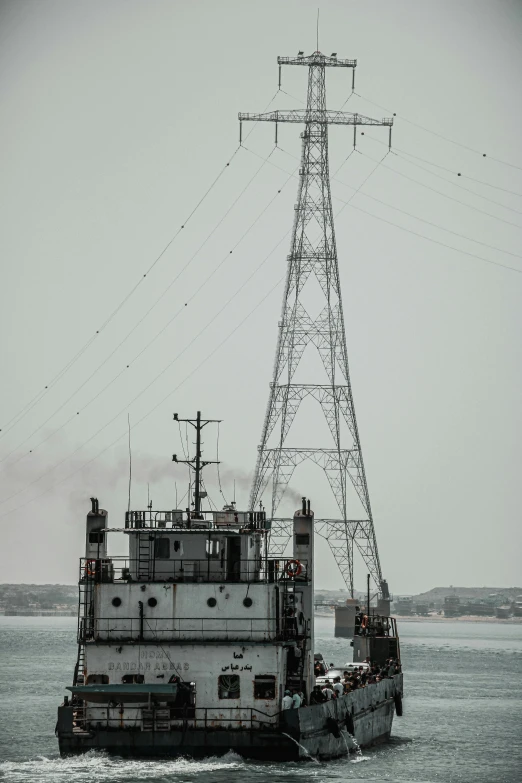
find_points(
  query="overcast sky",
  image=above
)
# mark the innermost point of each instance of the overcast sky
(116, 118)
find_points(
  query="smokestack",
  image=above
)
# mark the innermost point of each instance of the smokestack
(304, 507)
(308, 508)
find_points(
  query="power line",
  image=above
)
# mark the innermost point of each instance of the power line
(345, 203)
(441, 136)
(424, 185)
(445, 195)
(430, 223)
(157, 377)
(152, 410)
(423, 236)
(158, 334)
(436, 241)
(293, 97)
(36, 399)
(460, 174)
(292, 174)
(346, 101)
(458, 185)
(140, 321)
(409, 214)
(401, 153)
(410, 231)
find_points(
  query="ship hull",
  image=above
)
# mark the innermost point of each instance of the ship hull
(319, 731)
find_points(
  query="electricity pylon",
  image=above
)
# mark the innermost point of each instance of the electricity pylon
(313, 252)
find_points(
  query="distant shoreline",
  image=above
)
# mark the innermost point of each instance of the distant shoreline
(468, 618)
(401, 618)
(465, 618)
(43, 613)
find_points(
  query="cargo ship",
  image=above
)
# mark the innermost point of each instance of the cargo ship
(192, 644)
(187, 646)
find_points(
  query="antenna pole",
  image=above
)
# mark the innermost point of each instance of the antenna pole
(197, 494)
(197, 464)
(130, 462)
(317, 37)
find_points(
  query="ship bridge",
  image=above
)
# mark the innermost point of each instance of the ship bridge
(208, 546)
(197, 577)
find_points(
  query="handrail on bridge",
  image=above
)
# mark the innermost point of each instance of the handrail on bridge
(213, 568)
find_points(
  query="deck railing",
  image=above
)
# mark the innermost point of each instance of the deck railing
(187, 569)
(158, 718)
(187, 519)
(169, 629)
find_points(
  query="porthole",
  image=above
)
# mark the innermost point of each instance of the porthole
(152, 602)
(211, 602)
(116, 601)
(247, 601)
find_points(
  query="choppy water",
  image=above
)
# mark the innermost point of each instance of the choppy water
(462, 721)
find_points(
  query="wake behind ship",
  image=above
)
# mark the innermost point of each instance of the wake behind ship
(187, 646)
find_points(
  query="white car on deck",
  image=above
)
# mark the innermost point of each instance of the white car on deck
(336, 671)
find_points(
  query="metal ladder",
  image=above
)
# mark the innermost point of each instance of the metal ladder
(289, 601)
(145, 556)
(148, 719)
(162, 720)
(78, 678)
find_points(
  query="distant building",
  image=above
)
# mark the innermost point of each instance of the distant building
(452, 606)
(403, 605)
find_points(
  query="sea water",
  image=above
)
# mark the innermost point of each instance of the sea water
(462, 718)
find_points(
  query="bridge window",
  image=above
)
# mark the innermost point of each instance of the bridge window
(302, 539)
(162, 548)
(228, 686)
(213, 547)
(264, 686)
(96, 537)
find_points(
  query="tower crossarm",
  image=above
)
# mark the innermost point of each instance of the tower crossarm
(315, 116)
(317, 58)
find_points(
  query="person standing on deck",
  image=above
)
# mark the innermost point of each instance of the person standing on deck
(338, 687)
(327, 691)
(287, 701)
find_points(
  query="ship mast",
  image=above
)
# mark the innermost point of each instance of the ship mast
(196, 464)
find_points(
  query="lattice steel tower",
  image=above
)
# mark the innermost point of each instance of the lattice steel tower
(313, 252)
